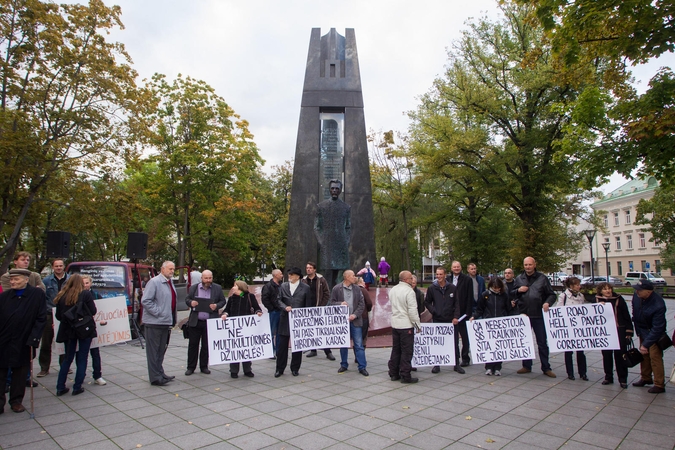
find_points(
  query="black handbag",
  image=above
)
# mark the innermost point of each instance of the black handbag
(632, 357)
(664, 342)
(80, 321)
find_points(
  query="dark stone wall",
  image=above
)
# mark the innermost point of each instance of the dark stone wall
(340, 91)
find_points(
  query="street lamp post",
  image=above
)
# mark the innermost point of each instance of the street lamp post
(590, 234)
(606, 245)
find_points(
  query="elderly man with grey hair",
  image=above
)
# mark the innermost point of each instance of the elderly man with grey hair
(159, 316)
(204, 300)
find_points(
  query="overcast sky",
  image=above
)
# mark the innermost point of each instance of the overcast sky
(253, 53)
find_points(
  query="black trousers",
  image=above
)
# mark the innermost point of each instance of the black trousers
(581, 363)
(282, 355)
(621, 369)
(196, 335)
(402, 341)
(18, 387)
(460, 330)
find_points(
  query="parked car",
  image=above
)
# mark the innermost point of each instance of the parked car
(557, 277)
(633, 277)
(596, 280)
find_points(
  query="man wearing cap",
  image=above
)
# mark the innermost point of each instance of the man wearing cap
(22, 318)
(292, 294)
(649, 317)
(22, 261)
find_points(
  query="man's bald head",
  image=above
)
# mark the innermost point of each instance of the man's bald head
(529, 264)
(405, 276)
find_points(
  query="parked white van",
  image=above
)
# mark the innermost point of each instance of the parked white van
(633, 277)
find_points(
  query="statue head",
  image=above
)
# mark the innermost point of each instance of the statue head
(335, 188)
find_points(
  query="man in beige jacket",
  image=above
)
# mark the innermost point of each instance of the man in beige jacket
(404, 320)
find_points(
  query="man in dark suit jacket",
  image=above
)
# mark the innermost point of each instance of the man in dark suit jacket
(207, 289)
(292, 294)
(464, 295)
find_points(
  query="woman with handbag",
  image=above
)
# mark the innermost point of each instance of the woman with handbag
(75, 309)
(605, 294)
(241, 303)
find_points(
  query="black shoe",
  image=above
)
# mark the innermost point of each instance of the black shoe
(78, 392)
(206, 371)
(583, 377)
(277, 374)
(295, 373)
(342, 369)
(409, 380)
(656, 390)
(395, 378)
(465, 364)
(169, 377)
(161, 382)
(274, 357)
(459, 369)
(249, 374)
(234, 375)
(189, 372)
(63, 392)
(29, 383)
(642, 383)
(414, 369)
(436, 369)
(330, 356)
(571, 377)
(311, 354)
(624, 385)
(606, 382)
(364, 372)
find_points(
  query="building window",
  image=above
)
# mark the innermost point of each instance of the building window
(607, 242)
(629, 241)
(628, 217)
(619, 267)
(643, 241)
(616, 219)
(657, 266)
(609, 268)
(618, 243)
(630, 266)
(643, 265)
(606, 221)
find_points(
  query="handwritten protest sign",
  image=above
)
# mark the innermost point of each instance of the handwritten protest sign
(581, 327)
(238, 339)
(111, 311)
(501, 339)
(319, 327)
(434, 345)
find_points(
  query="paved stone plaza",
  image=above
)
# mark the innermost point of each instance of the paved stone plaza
(321, 409)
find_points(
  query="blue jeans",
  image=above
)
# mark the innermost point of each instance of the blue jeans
(539, 330)
(274, 328)
(359, 351)
(80, 357)
(96, 362)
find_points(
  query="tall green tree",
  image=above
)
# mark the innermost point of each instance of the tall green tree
(64, 96)
(202, 176)
(621, 33)
(505, 126)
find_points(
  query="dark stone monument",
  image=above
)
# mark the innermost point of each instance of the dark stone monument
(331, 145)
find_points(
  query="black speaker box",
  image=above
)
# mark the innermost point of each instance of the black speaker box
(58, 244)
(137, 246)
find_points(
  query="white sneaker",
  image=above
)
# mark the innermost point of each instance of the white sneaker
(498, 373)
(100, 381)
(488, 373)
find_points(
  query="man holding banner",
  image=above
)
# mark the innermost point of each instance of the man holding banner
(348, 294)
(533, 292)
(443, 305)
(292, 294)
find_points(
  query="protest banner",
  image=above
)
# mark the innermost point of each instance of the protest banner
(501, 339)
(434, 345)
(581, 327)
(239, 339)
(319, 327)
(112, 323)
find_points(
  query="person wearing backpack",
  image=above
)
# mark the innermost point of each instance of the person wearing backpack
(75, 309)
